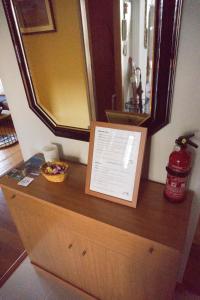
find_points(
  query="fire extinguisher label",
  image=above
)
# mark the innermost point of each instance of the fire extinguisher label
(179, 169)
(175, 187)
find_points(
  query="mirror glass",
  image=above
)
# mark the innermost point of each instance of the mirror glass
(137, 44)
(52, 38)
(122, 42)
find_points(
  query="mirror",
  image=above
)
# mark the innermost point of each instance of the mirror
(84, 60)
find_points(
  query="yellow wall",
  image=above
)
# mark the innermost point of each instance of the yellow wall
(57, 65)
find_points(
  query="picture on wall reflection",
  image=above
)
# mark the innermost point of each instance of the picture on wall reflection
(35, 16)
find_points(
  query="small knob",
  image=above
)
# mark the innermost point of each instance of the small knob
(84, 252)
(13, 196)
(70, 246)
(151, 250)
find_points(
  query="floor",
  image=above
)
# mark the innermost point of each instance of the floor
(11, 247)
(31, 283)
(8, 135)
(183, 294)
(9, 157)
(10, 244)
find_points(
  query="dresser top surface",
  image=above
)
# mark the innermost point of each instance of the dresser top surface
(154, 218)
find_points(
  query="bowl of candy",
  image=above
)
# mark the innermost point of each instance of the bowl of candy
(55, 171)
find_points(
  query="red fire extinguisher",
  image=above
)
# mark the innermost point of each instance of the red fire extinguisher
(178, 169)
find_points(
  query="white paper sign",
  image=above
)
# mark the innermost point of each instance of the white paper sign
(26, 181)
(114, 162)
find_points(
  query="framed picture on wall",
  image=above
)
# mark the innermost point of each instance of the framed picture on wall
(115, 162)
(34, 16)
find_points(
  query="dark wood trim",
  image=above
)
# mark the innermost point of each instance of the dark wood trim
(168, 22)
(14, 266)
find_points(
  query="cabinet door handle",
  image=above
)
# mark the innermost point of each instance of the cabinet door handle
(13, 196)
(70, 246)
(84, 252)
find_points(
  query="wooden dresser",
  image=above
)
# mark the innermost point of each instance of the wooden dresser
(111, 251)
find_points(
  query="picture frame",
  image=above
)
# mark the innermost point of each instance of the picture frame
(35, 16)
(129, 118)
(115, 160)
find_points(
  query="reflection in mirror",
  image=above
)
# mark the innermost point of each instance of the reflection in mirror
(137, 36)
(122, 41)
(53, 43)
(133, 48)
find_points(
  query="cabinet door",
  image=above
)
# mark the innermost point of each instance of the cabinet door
(39, 229)
(144, 276)
(91, 262)
(53, 247)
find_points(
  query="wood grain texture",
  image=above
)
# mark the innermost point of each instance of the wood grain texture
(154, 218)
(144, 276)
(9, 158)
(101, 259)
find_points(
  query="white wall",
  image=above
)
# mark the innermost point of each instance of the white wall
(186, 109)
(186, 103)
(33, 134)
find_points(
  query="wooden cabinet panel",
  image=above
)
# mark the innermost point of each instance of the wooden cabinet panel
(52, 246)
(42, 237)
(143, 276)
(91, 262)
(128, 267)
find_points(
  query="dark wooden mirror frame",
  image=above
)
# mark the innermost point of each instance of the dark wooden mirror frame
(167, 29)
